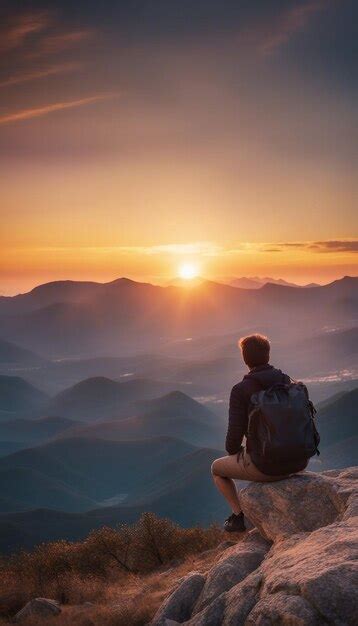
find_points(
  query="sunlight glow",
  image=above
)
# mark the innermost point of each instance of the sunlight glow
(187, 271)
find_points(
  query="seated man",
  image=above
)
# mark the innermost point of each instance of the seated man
(239, 464)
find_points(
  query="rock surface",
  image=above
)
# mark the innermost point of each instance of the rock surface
(308, 575)
(233, 566)
(299, 504)
(178, 607)
(38, 607)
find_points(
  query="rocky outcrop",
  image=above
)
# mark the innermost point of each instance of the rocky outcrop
(180, 604)
(298, 567)
(38, 608)
(302, 503)
(233, 566)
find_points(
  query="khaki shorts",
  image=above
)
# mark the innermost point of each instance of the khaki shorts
(240, 466)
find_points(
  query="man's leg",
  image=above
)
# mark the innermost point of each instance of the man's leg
(223, 471)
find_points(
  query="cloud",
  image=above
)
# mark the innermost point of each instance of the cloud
(58, 42)
(39, 74)
(27, 114)
(202, 248)
(19, 27)
(270, 36)
(38, 33)
(334, 245)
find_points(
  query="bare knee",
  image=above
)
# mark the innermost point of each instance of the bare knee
(213, 466)
(216, 469)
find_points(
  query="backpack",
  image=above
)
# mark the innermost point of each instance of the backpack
(281, 428)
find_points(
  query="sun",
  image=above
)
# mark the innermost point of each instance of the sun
(187, 271)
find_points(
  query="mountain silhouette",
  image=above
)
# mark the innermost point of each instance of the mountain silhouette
(173, 415)
(96, 468)
(191, 499)
(338, 418)
(33, 431)
(103, 398)
(257, 281)
(11, 354)
(125, 316)
(16, 394)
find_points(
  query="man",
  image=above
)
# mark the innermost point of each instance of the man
(239, 464)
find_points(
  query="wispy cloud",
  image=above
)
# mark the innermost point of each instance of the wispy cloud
(58, 42)
(39, 74)
(201, 248)
(27, 114)
(334, 245)
(15, 31)
(35, 34)
(270, 36)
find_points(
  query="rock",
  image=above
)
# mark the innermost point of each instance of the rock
(282, 609)
(39, 607)
(309, 575)
(319, 567)
(303, 502)
(233, 566)
(226, 544)
(179, 605)
(212, 615)
(308, 580)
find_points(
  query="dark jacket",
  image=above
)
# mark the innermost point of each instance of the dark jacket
(258, 378)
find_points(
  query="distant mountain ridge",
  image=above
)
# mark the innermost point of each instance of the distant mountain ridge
(102, 398)
(34, 431)
(173, 415)
(188, 497)
(13, 355)
(256, 282)
(125, 316)
(16, 394)
(338, 419)
(80, 473)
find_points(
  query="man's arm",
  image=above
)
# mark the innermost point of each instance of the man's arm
(237, 426)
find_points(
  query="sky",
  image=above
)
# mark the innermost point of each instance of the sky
(139, 136)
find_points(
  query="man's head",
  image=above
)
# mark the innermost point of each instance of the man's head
(255, 350)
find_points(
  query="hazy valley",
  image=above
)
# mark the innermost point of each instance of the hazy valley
(114, 396)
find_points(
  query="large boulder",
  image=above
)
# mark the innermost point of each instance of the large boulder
(301, 503)
(308, 579)
(179, 605)
(308, 576)
(233, 566)
(38, 607)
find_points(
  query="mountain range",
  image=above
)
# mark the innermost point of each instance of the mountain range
(93, 475)
(172, 415)
(121, 317)
(256, 282)
(113, 397)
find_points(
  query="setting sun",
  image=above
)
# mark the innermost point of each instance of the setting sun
(187, 271)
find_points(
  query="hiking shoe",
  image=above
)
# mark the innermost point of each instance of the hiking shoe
(235, 523)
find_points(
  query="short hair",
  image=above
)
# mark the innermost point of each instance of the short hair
(255, 350)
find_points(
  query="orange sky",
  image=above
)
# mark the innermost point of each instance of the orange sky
(126, 150)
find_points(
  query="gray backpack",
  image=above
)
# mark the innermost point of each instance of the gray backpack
(281, 427)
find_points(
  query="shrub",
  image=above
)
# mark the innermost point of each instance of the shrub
(73, 572)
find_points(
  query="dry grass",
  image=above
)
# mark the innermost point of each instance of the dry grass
(135, 603)
(130, 601)
(78, 573)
